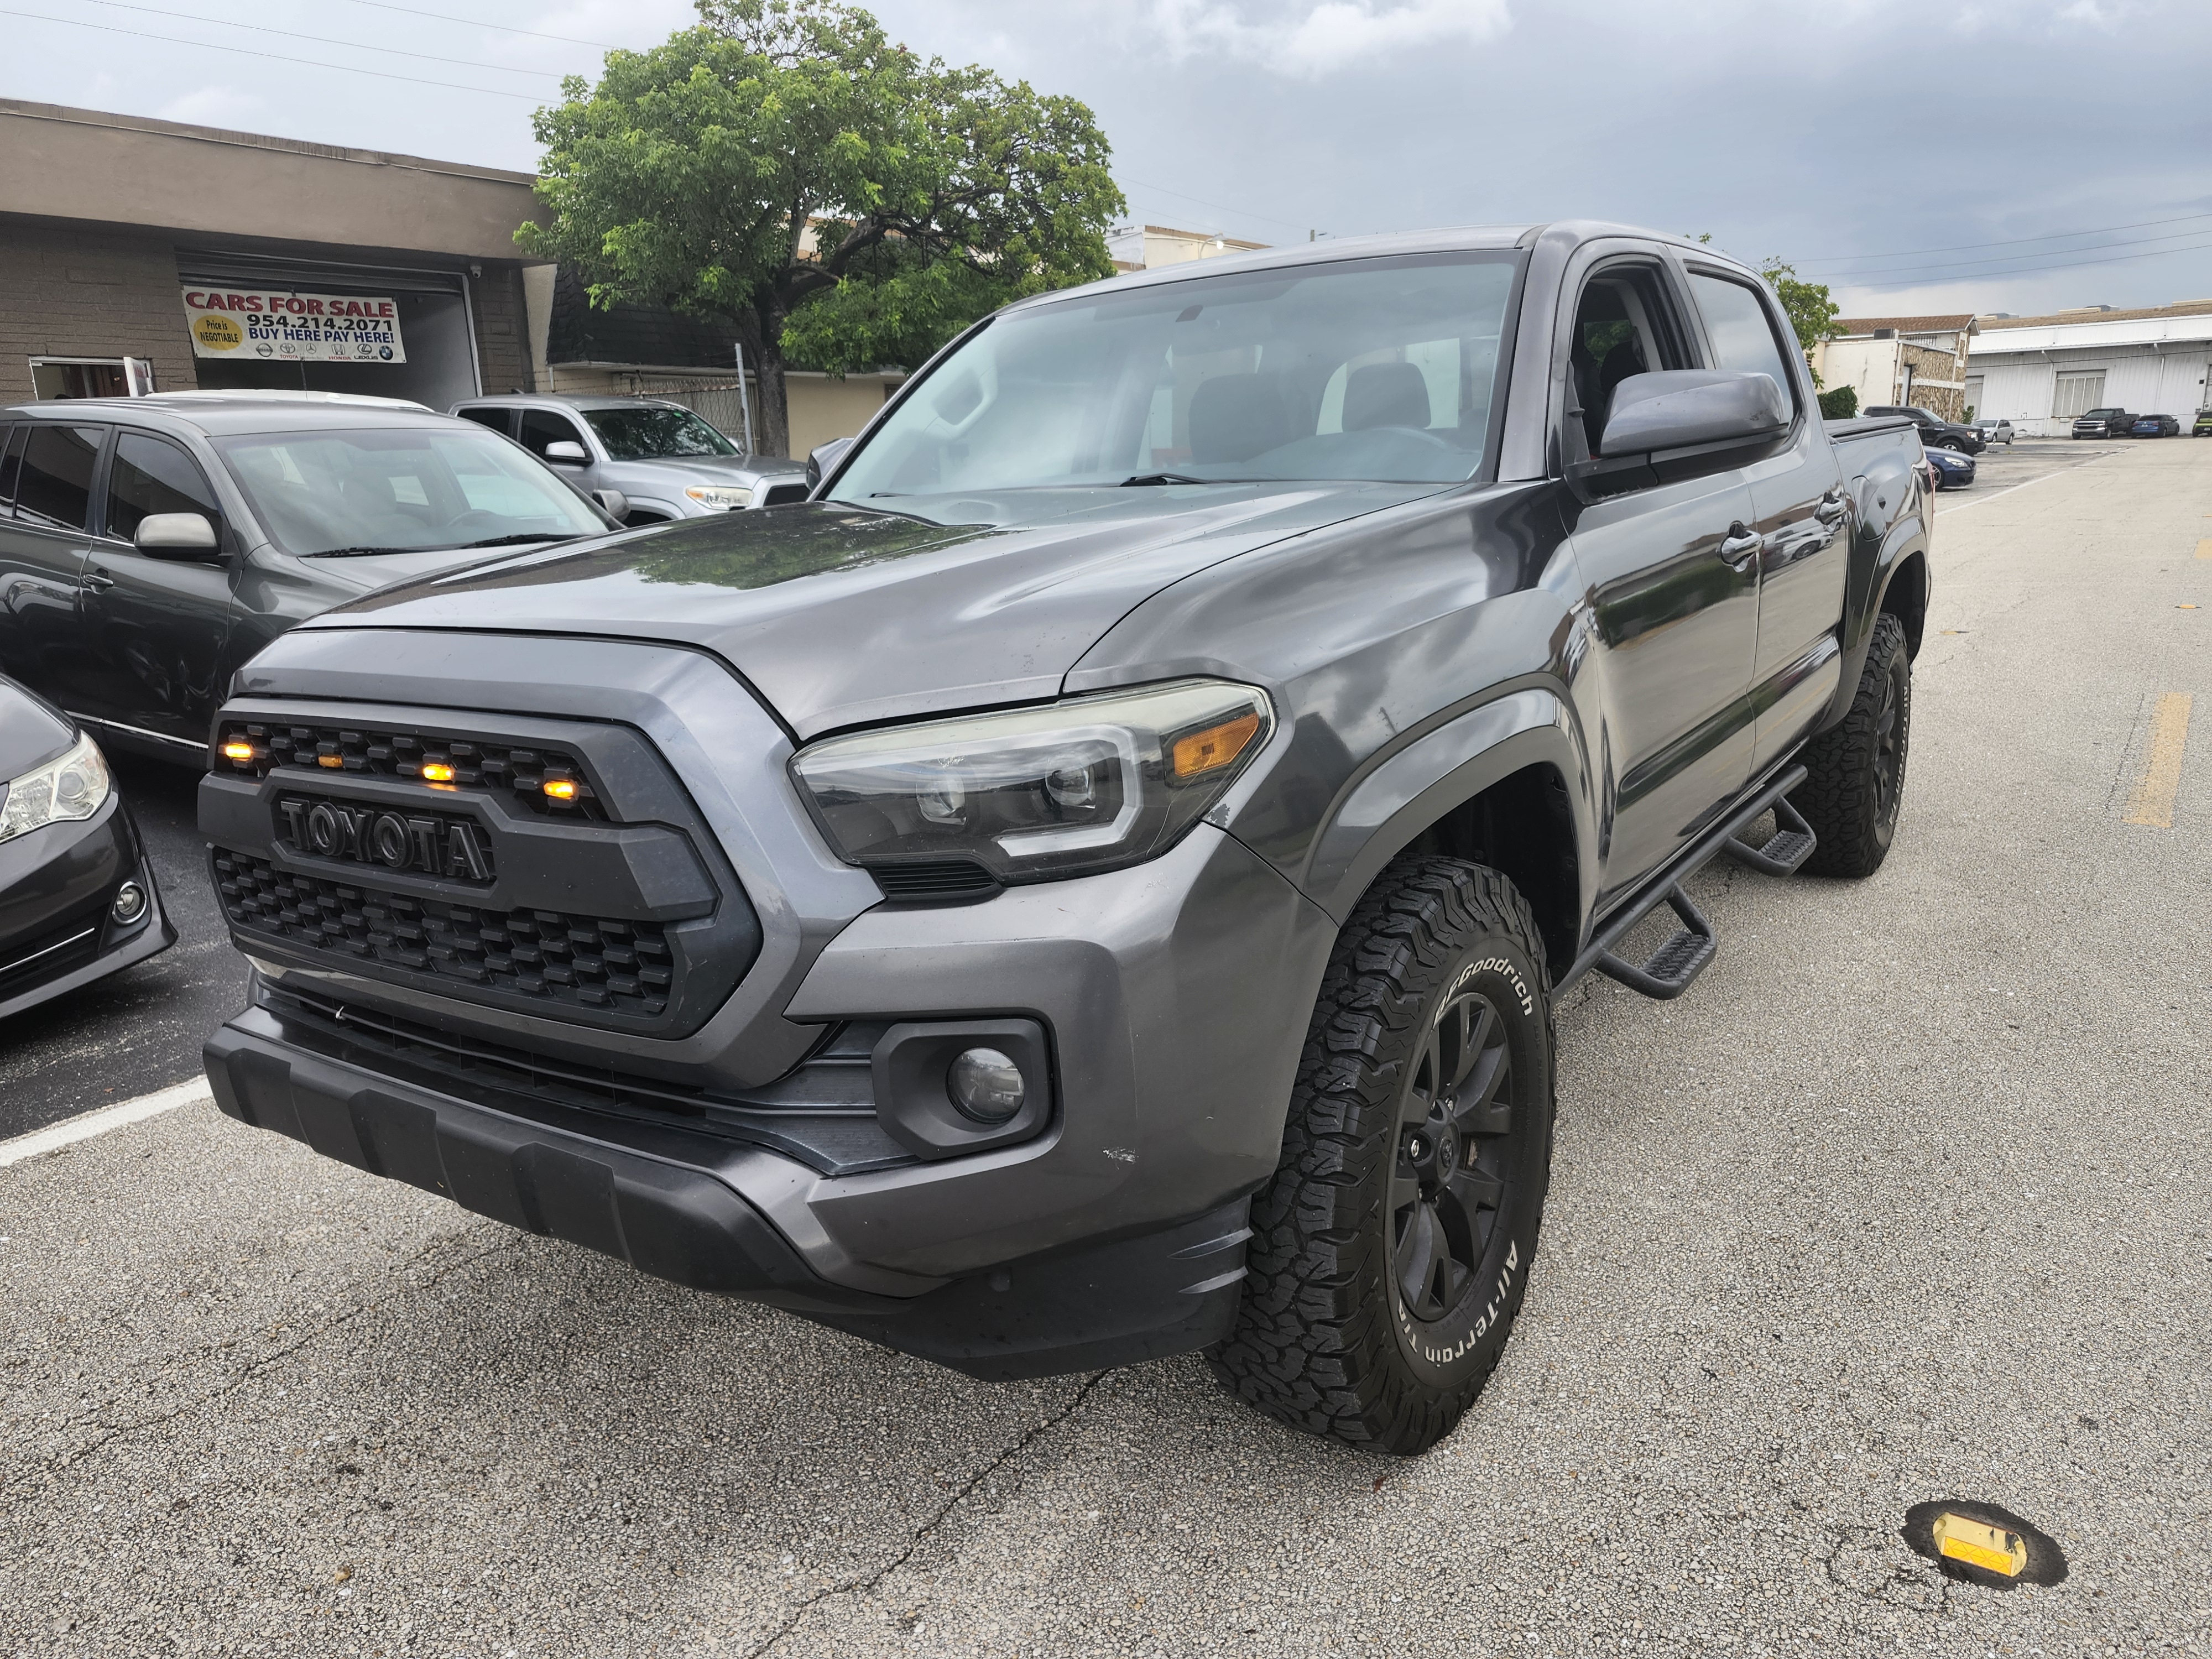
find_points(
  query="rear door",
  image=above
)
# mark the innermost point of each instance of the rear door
(1801, 517)
(1672, 579)
(156, 626)
(43, 544)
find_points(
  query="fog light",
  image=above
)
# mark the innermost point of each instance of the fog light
(986, 1085)
(130, 902)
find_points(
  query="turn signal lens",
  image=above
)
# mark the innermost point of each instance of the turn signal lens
(557, 788)
(1209, 751)
(330, 760)
(238, 751)
(437, 772)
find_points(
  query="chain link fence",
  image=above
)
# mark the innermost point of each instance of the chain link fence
(720, 404)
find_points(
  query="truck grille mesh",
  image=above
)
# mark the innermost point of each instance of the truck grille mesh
(581, 963)
(475, 764)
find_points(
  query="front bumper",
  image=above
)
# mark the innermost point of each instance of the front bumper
(668, 1202)
(57, 888)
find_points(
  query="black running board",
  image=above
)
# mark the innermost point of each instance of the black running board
(1667, 972)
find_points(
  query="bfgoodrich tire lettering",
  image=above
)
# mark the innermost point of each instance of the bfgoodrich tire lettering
(1854, 771)
(1392, 1248)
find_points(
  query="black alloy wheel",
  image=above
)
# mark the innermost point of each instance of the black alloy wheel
(1855, 770)
(1889, 746)
(1456, 1127)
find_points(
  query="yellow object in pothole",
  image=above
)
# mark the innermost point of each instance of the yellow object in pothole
(1979, 1543)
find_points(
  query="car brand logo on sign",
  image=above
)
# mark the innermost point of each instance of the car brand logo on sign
(414, 843)
(308, 328)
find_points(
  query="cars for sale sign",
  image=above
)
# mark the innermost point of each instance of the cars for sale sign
(293, 328)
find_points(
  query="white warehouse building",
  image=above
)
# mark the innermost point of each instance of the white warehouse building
(2039, 373)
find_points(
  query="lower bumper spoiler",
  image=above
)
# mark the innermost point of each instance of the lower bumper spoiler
(1106, 1305)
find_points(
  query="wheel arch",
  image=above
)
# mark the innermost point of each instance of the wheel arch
(1904, 596)
(1505, 785)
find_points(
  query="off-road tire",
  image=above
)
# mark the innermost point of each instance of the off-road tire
(1855, 770)
(1327, 1339)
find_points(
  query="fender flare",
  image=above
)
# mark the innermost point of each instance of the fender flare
(1388, 805)
(1907, 540)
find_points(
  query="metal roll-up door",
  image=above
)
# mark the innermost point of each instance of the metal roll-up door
(438, 366)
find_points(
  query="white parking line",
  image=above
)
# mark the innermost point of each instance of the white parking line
(100, 1123)
(1945, 512)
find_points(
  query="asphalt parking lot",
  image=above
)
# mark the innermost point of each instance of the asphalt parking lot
(1907, 1198)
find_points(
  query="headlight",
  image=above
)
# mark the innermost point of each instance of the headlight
(720, 495)
(57, 793)
(1086, 784)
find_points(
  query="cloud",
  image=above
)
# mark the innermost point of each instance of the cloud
(1334, 34)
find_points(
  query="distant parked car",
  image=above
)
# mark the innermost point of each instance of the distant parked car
(77, 899)
(1952, 470)
(1935, 432)
(1995, 432)
(2203, 426)
(2155, 426)
(2104, 424)
(666, 460)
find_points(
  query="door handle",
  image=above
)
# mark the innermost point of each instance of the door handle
(98, 581)
(1831, 508)
(1739, 546)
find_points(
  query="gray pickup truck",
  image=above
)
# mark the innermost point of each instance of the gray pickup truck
(1092, 883)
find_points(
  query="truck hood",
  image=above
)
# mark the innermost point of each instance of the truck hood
(841, 614)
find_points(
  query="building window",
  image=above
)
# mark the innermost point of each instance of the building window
(53, 378)
(2078, 391)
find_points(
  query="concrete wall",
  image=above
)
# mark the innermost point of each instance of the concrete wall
(127, 170)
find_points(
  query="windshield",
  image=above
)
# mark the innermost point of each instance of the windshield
(1361, 369)
(401, 489)
(2102, 414)
(651, 430)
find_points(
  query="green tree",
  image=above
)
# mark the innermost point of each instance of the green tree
(786, 170)
(1812, 314)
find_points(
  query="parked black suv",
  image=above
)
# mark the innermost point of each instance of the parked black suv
(1935, 432)
(2104, 424)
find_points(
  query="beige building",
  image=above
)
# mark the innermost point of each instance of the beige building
(1898, 361)
(138, 254)
(1144, 247)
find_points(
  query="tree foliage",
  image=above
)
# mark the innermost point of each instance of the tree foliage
(1811, 312)
(784, 168)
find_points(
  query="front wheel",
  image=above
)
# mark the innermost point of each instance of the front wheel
(1854, 771)
(1391, 1250)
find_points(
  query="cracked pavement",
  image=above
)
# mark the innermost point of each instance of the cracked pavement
(1907, 1198)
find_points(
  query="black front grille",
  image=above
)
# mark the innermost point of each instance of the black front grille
(549, 781)
(561, 960)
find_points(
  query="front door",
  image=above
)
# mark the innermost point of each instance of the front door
(43, 544)
(1799, 513)
(1671, 574)
(156, 625)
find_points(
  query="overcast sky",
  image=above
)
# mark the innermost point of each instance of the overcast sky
(2016, 155)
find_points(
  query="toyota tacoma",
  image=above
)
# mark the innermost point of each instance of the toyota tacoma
(1093, 881)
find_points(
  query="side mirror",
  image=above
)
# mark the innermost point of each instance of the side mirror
(823, 461)
(1685, 408)
(175, 536)
(567, 452)
(614, 503)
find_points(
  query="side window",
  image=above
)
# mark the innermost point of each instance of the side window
(53, 484)
(1623, 326)
(541, 426)
(1742, 334)
(11, 439)
(149, 475)
(500, 421)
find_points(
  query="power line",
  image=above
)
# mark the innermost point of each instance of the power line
(1242, 213)
(1993, 261)
(2068, 264)
(274, 56)
(1962, 248)
(264, 28)
(504, 29)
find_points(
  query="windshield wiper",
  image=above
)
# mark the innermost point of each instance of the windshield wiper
(514, 540)
(351, 552)
(1170, 479)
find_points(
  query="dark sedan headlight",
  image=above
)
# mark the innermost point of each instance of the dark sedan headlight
(62, 790)
(1088, 783)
